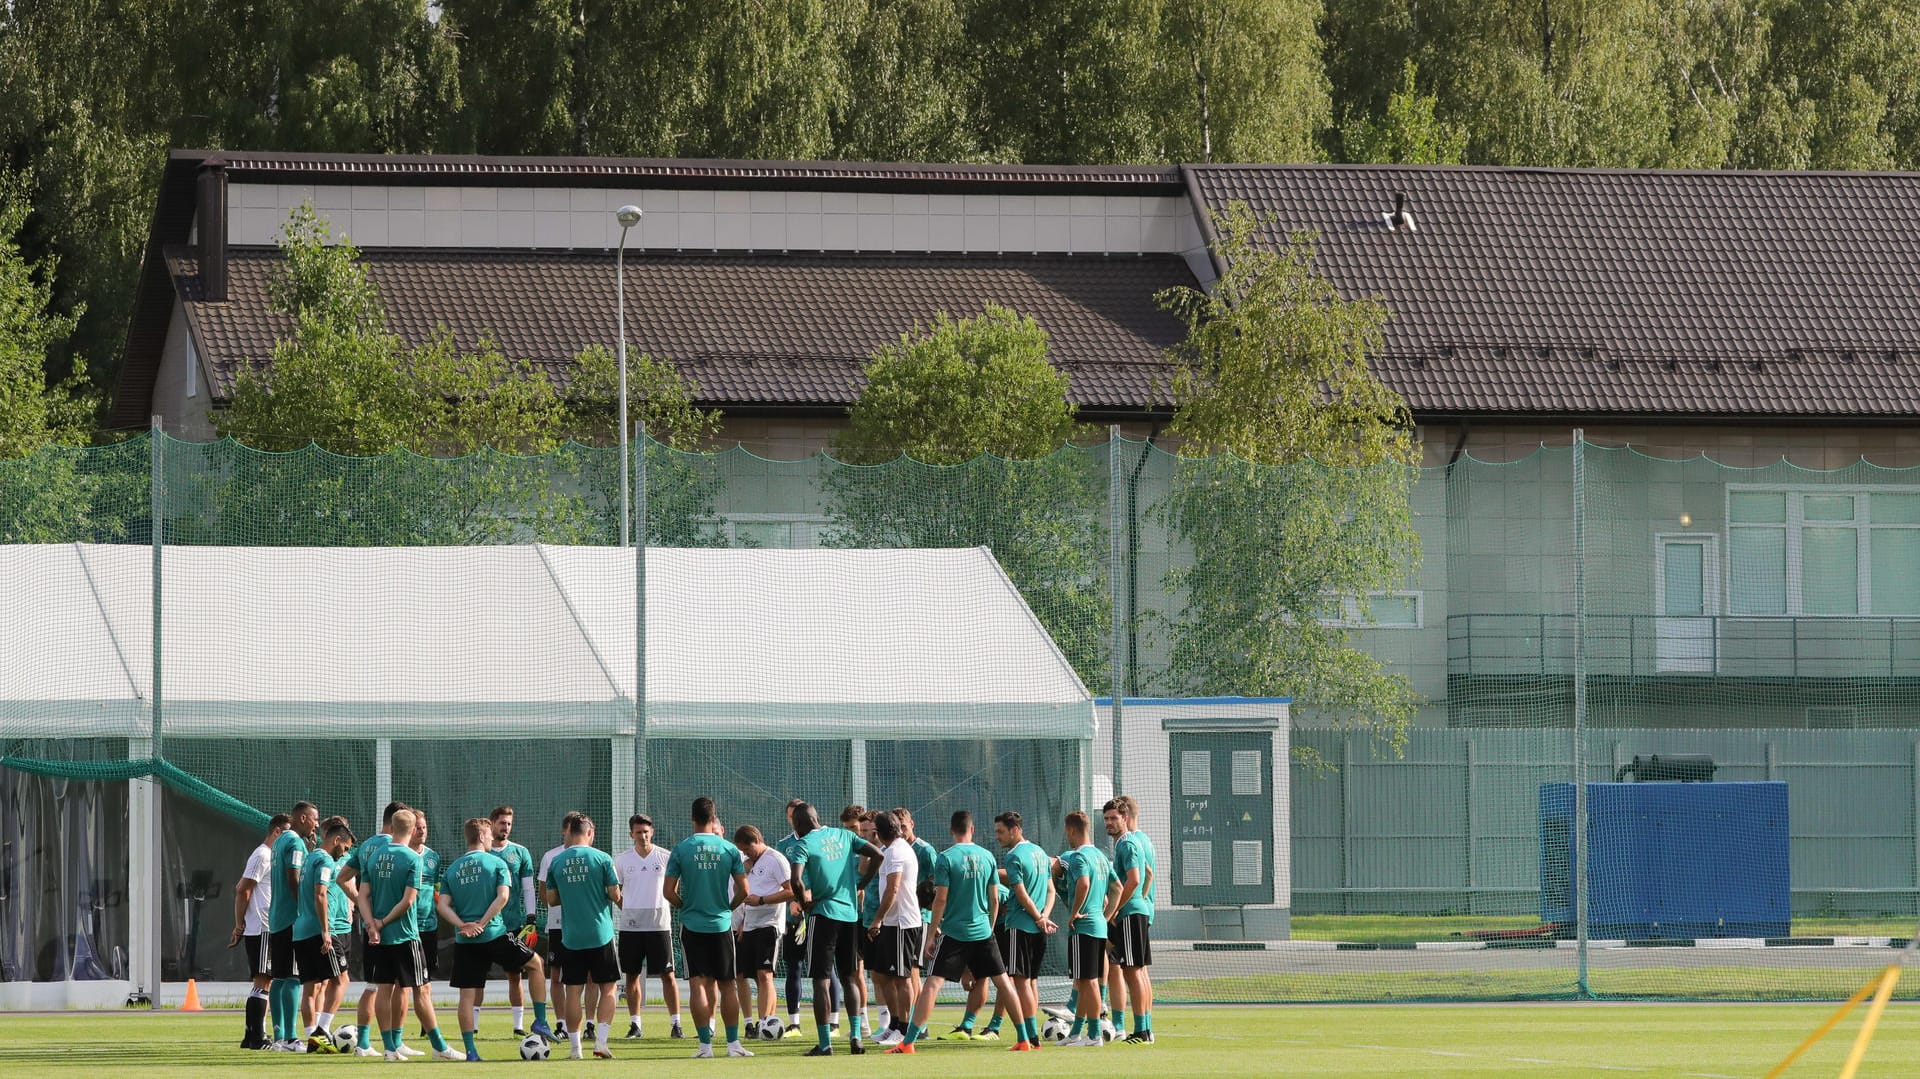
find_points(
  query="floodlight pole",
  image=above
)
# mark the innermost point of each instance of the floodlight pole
(628, 216)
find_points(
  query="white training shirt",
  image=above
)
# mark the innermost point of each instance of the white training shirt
(643, 903)
(546, 862)
(900, 858)
(260, 871)
(764, 877)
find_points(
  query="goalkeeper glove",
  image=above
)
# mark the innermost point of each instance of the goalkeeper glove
(530, 933)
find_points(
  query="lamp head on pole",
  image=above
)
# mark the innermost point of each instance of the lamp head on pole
(628, 216)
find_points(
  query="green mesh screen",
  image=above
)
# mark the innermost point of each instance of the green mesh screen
(461, 634)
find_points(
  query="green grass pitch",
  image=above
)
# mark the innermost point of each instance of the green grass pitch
(1536, 1041)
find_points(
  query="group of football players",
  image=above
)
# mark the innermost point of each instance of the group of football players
(846, 902)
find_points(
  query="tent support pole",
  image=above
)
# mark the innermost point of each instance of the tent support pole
(857, 772)
(382, 777)
(143, 879)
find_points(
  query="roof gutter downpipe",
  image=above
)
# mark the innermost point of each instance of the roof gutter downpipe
(210, 220)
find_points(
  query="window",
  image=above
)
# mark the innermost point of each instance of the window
(1828, 551)
(778, 530)
(1378, 610)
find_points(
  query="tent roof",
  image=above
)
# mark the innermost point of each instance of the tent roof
(528, 641)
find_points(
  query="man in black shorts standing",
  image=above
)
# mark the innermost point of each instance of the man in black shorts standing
(251, 894)
(646, 924)
(761, 923)
(966, 901)
(826, 877)
(706, 879)
(478, 887)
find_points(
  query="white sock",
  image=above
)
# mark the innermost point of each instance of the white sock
(793, 1019)
(519, 1017)
(600, 1035)
(323, 1021)
(886, 1017)
(574, 1037)
(633, 1021)
(675, 1016)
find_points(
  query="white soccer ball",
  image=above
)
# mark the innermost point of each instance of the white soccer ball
(1055, 1029)
(534, 1047)
(773, 1028)
(347, 1038)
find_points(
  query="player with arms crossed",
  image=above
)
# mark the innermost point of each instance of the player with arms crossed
(392, 876)
(289, 853)
(320, 957)
(581, 881)
(646, 924)
(897, 933)
(759, 926)
(1130, 933)
(1086, 876)
(826, 877)
(251, 894)
(522, 909)
(478, 888)
(706, 879)
(965, 903)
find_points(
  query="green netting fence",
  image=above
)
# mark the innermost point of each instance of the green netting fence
(196, 635)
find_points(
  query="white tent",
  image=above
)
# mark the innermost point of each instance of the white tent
(455, 641)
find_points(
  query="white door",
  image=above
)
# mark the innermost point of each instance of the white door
(1687, 579)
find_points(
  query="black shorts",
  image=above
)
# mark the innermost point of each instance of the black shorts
(599, 966)
(1086, 957)
(833, 945)
(646, 951)
(319, 964)
(1129, 937)
(430, 948)
(980, 958)
(256, 955)
(400, 964)
(896, 950)
(552, 950)
(1024, 952)
(759, 950)
(709, 955)
(280, 961)
(365, 953)
(473, 961)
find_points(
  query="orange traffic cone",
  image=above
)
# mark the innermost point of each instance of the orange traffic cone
(192, 1003)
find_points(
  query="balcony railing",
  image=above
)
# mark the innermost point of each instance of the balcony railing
(1722, 646)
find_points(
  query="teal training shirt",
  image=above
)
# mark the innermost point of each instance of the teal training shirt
(927, 856)
(339, 907)
(1006, 901)
(360, 856)
(582, 876)
(472, 882)
(1028, 865)
(317, 871)
(831, 872)
(289, 851)
(521, 865)
(1135, 851)
(1090, 865)
(967, 873)
(705, 865)
(426, 917)
(389, 873)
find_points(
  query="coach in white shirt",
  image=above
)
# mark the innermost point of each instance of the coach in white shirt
(762, 922)
(646, 925)
(896, 930)
(252, 893)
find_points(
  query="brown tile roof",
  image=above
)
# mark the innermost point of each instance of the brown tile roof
(782, 330)
(1533, 292)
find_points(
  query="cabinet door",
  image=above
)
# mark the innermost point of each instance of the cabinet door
(1222, 824)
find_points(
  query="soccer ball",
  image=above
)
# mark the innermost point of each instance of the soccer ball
(534, 1047)
(346, 1039)
(773, 1028)
(1107, 1033)
(1055, 1029)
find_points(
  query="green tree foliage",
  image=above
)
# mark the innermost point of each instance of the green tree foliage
(1243, 80)
(1294, 487)
(1407, 133)
(961, 431)
(341, 383)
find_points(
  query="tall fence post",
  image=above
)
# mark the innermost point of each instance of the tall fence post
(1580, 709)
(145, 892)
(1116, 555)
(640, 617)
